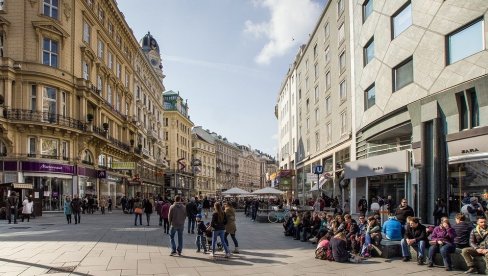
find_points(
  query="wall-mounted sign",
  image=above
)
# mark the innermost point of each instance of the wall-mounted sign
(123, 165)
(28, 166)
(101, 174)
(389, 163)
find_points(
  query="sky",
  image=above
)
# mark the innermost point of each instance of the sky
(228, 58)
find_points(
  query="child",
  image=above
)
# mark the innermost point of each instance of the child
(201, 232)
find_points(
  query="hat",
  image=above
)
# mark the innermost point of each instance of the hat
(473, 199)
(199, 216)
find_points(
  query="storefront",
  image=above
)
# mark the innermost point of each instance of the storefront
(52, 182)
(468, 170)
(87, 181)
(381, 176)
(112, 186)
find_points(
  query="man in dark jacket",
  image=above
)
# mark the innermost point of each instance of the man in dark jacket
(191, 213)
(206, 206)
(478, 242)
(415, 236)
(403, 211)
(12, 205)
(176, 217)
(463, 230)
(76, 208)
(363, 206)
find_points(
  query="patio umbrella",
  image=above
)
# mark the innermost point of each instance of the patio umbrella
(268, 191)
(235, 191)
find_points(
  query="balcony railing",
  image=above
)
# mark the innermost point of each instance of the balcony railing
(99, 131)
(119, 144)
(44, 117)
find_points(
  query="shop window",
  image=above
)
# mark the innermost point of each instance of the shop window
(50, 52)
(403, 74)
(31, 146)
(369, 97)
(465, 41)
(367, 9)
(49, 148)
(401, 20)
(368, 52)
(51, 8)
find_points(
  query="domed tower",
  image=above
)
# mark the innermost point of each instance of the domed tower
(151, 48)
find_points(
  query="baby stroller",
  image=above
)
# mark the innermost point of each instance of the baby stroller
(209, 234)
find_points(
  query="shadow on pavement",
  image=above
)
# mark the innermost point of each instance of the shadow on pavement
(260, 254)
(241, 260)
(39, 265)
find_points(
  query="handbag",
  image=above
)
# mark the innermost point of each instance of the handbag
(138, 211)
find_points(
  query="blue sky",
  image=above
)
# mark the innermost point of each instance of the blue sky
(227, 57)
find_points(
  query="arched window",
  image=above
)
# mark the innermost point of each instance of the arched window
(87, 157)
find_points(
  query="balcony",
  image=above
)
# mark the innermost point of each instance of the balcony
(119, 144)
(145, 152)
(26, 115)
(151, 134)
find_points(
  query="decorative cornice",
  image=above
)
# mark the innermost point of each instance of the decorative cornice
(50, 26)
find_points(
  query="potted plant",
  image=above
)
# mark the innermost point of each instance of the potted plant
(89, 117)
(105, 126)
(139, 146)
(131, 142)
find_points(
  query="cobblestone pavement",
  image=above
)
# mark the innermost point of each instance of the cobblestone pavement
(111, 245)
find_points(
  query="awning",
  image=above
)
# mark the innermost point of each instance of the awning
(468, 149)
(468, 158)
(28, 186)
(389, 163)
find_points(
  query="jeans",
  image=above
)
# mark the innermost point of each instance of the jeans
(77, 217)
(417, 246)
(254, 213)
(191, 223)
(102, 209)
(233, 236)
(219, 233)
(166, 225)
(140, 219)
(148, 218)
(445, 250)
(201, 241)
(180, 239)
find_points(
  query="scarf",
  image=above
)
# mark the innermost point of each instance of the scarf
(483, 234)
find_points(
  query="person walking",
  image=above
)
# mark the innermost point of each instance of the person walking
(176, 218)
(12, 203)
(27, 208)
(230, 227)
(148, 209)
(219, 221)
(67, 209)
(103, 204)
(191, 213)
(76, 208)
(165, 215)
(109, 202)
(138, 211)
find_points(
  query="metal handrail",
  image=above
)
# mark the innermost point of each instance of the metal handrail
(44, 117)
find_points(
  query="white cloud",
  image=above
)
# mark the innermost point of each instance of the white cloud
(290, 23)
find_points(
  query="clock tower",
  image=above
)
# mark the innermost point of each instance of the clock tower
(151, 48)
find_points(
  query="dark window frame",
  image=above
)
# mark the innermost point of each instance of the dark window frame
(407, 60)
(366, 105)
(365, 56)
(392, 23)
(460, 29)
(364, 9)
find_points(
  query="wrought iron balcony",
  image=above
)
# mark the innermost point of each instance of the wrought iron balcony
(119, 144)
(27, 115)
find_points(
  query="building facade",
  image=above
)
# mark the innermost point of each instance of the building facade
(177, 126)
(69, 72)
(204, 162)
(227, 163)
(422, 102)
(249, 169)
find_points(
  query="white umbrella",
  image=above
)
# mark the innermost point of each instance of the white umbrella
(235, 191)
(268, 191)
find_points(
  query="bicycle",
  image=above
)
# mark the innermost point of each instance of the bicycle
(278, 215)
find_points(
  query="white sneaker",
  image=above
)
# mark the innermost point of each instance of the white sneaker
(314, 239)
(227, 255)
(212, 254)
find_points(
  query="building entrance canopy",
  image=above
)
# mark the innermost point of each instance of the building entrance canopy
(390, 163)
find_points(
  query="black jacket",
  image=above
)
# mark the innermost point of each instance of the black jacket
(191, 210)
(402, 214)
(339, 251)
(216, 224)
(419, 233)
(463, 230)
(148, 208)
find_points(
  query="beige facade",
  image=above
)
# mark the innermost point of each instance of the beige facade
(177, 126)
(227, 161)
(69, 77)
(249, 170)
(204, 162)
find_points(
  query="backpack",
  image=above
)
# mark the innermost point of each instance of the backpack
(324, 253)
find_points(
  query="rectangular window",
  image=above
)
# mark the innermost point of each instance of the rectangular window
(50, 52)
(86, 71)
(118, 41)
(316, 93)
(99, 85)
(34, 98)
(110, 60)
(369, 97)
(307, 105)
(340, 7)
(63, 104)
(51, 8)
(316, 70)
(110, 28)
(32, 146)
(1, 44)
(86, 32)
(328, 130)
(326, 30)
(475, 109)
(402, 19)
(308, 124)
(342, 61)
(327, 80)
(328, 106)
(367, 9)
(65, 150)
(49, 104)
(109, 94)
(463, 112)
(368, 52)
(343, 90)
(317, 141)
(403, 74)
(315, 51)
(342, 35)
(317, 116)
(101, 15)
(466, 41)
(119, 69)
(327, 55)
(126, 109)
(100, 49)
(343, 123)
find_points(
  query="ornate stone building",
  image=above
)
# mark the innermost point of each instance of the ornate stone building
(178, 136)
(249, 169)
(203, 161)
(71, 73)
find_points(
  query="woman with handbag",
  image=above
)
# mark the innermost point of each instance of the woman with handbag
(137, 211)
(219, 220)
(442, 240)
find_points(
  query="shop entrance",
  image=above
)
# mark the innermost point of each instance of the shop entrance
(385, 185)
